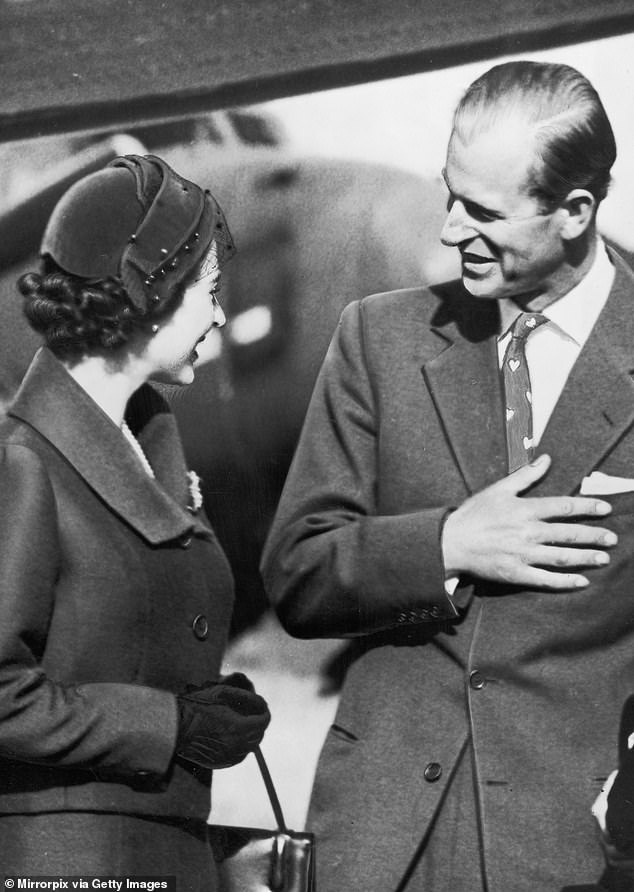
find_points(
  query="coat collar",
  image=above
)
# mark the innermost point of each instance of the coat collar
(594, 410)
(464, 383)
(52, 403)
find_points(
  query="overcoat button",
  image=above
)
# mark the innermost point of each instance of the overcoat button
(432, 772)
(200, 627)
(477, 680)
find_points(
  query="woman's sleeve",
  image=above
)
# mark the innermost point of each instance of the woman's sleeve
(332, 565)
(116, 728)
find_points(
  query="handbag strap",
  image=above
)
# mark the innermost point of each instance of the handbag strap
(270, 789)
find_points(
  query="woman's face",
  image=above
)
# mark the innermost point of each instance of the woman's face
(172, 350)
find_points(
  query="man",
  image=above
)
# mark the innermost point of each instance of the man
(452, 508)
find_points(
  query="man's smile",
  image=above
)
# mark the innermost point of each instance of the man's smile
(475, 262)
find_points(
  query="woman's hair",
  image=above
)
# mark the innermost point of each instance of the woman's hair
(76, 317)
(573, 140)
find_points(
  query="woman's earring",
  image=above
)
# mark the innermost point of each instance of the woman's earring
(155, 328)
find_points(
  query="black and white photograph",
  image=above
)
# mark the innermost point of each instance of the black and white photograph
(317, 446)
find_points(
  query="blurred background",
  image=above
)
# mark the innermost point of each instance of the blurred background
(331, 194)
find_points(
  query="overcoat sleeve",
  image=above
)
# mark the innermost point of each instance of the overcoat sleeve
(123, 729)
(334, 565)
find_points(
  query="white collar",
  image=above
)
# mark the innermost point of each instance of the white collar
(576, 312)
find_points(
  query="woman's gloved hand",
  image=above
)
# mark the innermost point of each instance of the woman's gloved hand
(220, 722)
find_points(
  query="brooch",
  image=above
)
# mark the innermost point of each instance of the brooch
(195, 495)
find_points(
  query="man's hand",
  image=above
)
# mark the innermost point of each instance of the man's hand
(498, 535)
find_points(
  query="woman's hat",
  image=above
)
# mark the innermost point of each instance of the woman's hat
(138, 220)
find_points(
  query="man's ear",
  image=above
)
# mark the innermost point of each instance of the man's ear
(578, 212)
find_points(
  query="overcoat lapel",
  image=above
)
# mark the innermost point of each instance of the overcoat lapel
(51, 402)
(596, 406)
(465, 385)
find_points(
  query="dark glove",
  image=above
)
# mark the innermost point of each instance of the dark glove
(220, 723)
(236, 680)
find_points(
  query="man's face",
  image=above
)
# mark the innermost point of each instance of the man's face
(508, 246)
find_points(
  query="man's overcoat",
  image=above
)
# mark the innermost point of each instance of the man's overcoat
(405, 423)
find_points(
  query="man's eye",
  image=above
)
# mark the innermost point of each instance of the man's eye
(480, 214)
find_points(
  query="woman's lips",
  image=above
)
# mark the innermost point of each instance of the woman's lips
(194, 353)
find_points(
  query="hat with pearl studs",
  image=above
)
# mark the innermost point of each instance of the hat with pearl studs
(137, 220)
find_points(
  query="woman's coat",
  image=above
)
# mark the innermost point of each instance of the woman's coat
(113, 597)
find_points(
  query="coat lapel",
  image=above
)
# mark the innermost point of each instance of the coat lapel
(597, 404)
(51, 402)
(465, 385)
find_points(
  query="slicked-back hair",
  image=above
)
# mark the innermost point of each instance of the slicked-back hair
(573, 138)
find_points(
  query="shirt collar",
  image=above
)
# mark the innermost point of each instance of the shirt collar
(576, 312)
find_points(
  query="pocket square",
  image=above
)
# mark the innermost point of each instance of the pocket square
(604, 484)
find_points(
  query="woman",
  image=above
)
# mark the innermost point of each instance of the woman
(115, 596)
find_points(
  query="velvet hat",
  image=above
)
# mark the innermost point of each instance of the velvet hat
(137, 220)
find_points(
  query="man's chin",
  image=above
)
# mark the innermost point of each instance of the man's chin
(483, 290)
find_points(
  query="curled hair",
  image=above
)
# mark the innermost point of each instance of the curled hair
(573, 139)
(75, 316)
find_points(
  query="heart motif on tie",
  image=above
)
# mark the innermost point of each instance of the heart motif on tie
(509, 414)
(527, 442)
(531, 323)
(529, 397)
(514, 364)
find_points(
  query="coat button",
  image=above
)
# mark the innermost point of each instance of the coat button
(200, 627)
(432, 772)
(477, 680)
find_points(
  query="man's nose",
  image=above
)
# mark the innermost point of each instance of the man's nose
(458, 226)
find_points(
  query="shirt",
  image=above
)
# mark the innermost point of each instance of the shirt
(552, 349)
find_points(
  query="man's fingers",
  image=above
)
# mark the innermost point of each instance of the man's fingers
(551, 506)
(554, 556)
(536, 577)
(548, 507)
(575, 534)
(526, 476)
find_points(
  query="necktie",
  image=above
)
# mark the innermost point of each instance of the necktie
(517, 390)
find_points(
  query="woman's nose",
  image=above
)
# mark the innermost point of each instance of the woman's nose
(219, 317)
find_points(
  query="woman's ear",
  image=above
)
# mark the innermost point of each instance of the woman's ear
(579, 210)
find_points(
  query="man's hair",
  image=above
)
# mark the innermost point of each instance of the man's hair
(574, 142)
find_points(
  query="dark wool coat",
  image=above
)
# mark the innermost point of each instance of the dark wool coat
(407, 421)
(113, 596)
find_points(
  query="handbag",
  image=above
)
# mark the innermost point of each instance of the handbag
(254, 860)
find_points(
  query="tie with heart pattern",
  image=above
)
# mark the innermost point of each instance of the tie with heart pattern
(517, 390)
